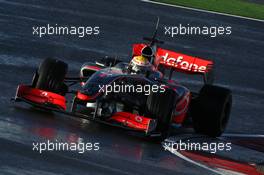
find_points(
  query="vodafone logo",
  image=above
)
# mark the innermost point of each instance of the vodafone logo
(44, 94)
(182, 63)
(138, 119)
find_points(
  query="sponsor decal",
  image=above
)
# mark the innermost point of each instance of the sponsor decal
(177, 60)
(182, 63)
(138, 119)
(44, 94)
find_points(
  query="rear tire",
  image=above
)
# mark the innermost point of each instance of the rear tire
(161, 106)
(50, 76)
(211, 110)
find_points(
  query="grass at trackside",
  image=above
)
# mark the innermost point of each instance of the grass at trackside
(234, 7)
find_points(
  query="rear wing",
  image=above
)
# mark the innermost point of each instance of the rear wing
(166, 59)
(182, 62)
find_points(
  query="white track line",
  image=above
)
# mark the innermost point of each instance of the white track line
(178, 154)
(200, 10)
(243, 135)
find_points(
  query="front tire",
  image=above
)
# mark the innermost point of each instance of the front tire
(50, 76)
(161, 106)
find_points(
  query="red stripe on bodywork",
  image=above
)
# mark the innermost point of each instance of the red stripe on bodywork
(181, 109)
(96, 68)
(83, 97)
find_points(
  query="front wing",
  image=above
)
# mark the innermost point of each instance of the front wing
(54, 102)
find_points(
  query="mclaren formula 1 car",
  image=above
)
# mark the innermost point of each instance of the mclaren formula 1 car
(100, 96)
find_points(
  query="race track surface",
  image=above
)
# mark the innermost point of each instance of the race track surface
(239, 60)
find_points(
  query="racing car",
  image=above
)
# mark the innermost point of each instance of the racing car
(152, 114)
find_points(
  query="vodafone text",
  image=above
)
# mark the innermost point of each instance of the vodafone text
(181, 64)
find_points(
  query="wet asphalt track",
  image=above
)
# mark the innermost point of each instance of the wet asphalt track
(239, 60)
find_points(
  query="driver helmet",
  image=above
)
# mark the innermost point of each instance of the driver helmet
(147, 52)
(140, 65)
